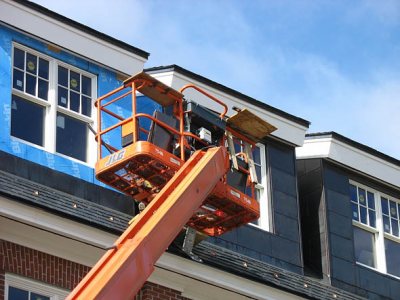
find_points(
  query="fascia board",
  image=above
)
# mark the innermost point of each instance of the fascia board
(287, 130)
(244, 287)
(70, 38)
(351, 157)
(314, 148)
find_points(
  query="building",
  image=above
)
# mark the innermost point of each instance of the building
(56, 219)
(349, 199)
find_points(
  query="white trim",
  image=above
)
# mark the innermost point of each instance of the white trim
(30, 98)
(79, 243)
(214, 277)
(70, 38)
(287, 129)
(350, 156)
(53, 223)
(33, 286)
(365, 227)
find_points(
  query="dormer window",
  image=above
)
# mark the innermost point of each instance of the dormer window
(376, 224)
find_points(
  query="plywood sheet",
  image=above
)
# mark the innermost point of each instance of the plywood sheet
(155, 89)
(250, 125)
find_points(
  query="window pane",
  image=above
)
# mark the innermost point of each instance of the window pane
(395, 227)
(71, 137)
(385, 206)
(63, 76)
(43, 68)
(353, 193)
(371, 200)
(19, 58)
(62, 96)
(18, 80)
(27, 120)
(392, 250)
(35, 296)
(386, 224)
(17, 294)
(256, 155)
(363, 215)
(74, 81)
(393, 209)
(258, 171)
(354, 207)
(74, 101)
(31, 63)
(31, 84)
(86, 86)
(238, 147)
(43, 89)
(361, 196)
(364, 246)
(372, 218)
(86, 106)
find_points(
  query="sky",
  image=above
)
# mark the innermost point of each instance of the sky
(334, 63)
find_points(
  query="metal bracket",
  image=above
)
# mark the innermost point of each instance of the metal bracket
(231, 149)
(250, 161)
(188, 244)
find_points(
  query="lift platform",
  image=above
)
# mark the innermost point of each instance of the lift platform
(180, 160)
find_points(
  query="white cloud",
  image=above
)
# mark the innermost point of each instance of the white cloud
(220, 41)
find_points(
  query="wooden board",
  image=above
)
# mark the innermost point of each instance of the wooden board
(250, 125)
(155, 89)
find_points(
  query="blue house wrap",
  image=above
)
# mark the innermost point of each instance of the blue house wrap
(106, 81)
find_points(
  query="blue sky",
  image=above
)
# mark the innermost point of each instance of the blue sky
(334, 63)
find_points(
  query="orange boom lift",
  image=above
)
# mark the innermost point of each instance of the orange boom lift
(187, 167)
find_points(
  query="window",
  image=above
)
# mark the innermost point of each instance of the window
(376, 220)
(20, 288)
(259, 158)
(52, 104)
(260, 163)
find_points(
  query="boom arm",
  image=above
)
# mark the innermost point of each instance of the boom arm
(122, 271)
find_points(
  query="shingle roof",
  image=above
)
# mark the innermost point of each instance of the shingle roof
(262, 272)
(76, 208)
(62, 203)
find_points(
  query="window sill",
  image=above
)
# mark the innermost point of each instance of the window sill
(87, 164)
(365, 227)
(84, 163)
(31, 98)
(392, 238)
(19, 140)
(259, 227)
(378, 271)
(75, 115)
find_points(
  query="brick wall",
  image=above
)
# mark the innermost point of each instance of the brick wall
(37, 265)
(60, 272)
(152, 291)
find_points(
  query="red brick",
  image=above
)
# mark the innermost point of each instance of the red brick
(37, 265)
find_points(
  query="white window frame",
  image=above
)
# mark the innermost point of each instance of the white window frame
(51, 107)
(264, 222)
(54, 293)
(379, 233)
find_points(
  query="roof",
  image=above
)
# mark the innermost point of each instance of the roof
(83, 28)
(76, 208)
(355, 144)
(228, 91)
